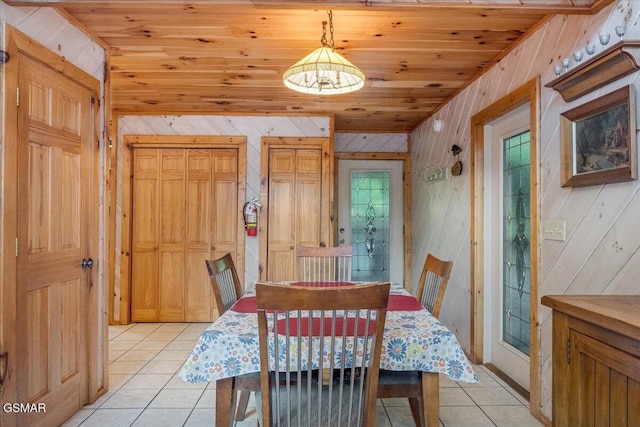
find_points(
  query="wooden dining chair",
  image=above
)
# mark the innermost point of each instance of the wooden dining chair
(294, 341)
(225, 282)
(431, 288)
(227, 290)
(433, 283)
(324, 264)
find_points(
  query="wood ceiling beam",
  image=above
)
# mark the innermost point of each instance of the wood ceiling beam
(550, 6)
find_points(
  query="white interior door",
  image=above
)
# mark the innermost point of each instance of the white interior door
(370, 217)
(507, 269)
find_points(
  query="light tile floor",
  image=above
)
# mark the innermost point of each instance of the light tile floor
(145, 390)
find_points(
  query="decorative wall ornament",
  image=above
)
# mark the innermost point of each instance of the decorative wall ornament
(434, 173)
(456, 169)
(598, 141)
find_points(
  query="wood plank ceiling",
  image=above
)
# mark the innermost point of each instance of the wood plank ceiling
(228, 57)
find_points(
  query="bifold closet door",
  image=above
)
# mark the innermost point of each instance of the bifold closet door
(179, 220)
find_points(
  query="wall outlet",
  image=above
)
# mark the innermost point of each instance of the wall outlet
(555, 229)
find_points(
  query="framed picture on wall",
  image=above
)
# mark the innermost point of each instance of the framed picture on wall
(598, 141)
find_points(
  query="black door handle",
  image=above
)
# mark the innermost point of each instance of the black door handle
(86, 263)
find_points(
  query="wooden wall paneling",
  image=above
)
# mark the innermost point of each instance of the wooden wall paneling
(617, 230)
(371, 142)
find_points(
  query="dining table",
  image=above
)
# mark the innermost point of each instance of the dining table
(413, 340)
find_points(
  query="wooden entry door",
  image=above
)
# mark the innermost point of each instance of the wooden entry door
(57, 230)
(299, 192)
(184, 211)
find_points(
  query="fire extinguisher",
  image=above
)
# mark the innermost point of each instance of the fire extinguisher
(250, 214)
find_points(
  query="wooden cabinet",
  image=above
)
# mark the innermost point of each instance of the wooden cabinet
(596, 360)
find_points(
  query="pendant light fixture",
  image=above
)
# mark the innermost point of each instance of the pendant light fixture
(324, 71)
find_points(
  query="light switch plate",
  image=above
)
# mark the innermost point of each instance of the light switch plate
(555, 229)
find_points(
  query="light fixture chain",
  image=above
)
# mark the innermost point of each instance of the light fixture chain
(330, 13)
(323, 39)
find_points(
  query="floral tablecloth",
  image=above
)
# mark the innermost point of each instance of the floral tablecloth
(412, 341)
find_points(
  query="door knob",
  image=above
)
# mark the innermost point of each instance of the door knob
(86, 263)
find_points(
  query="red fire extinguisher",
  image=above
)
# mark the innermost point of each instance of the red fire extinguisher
(250, 211)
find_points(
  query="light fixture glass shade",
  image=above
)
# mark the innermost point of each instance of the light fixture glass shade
(324, 72)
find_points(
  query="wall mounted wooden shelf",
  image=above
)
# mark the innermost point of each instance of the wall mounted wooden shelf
(617, 61)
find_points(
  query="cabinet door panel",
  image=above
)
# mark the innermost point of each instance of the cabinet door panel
(605, 383)
(618, 398)
(633, 396)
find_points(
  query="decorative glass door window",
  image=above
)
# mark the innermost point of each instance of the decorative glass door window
(370, 225)
(516, 226)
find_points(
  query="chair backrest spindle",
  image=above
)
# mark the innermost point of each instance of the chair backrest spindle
(324, 264)
(225, 282)
(307, 331)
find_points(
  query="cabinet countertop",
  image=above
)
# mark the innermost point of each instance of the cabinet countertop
(619, 313)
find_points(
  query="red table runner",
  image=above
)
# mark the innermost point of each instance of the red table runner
(396, 303)
(315, 326)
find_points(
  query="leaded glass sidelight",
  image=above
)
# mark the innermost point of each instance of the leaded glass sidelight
(516, 237)
(370, 225)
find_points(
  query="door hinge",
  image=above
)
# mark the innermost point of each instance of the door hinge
(18, 96)
(569, 351)
(16, 247)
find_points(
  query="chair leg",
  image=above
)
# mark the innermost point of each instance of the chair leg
(243, 402)
(414, 404)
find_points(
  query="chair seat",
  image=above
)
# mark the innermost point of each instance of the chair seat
(395, 377)
(290, 408)
(250, 375)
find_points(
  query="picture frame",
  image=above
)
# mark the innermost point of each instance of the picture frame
(598, 141)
